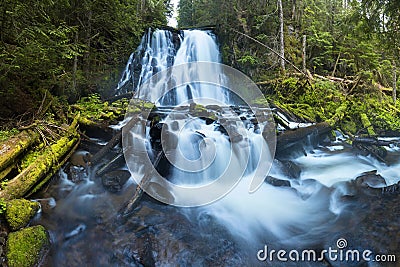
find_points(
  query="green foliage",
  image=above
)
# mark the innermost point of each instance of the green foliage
(70, 48)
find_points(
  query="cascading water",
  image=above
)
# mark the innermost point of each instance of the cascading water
(309, 209)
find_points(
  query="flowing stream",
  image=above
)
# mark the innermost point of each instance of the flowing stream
(317, 202)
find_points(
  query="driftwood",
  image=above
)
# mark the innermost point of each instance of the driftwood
(115, 140)
(301, 133)
(40, 171)
(110, 164)
(371, 141)
(110, 145)
(132, 204)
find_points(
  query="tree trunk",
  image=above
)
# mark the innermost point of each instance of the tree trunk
(394, 82)
(304, 52)
(293, 10)
(282, 42)
(75, 69)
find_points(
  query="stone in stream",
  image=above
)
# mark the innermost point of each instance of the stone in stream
(169, 141)
(175, 126)
(115, 180)
(155, 131)
(277, 182)
(76, 174)
(288, 168)
(371, 179)
(19, 212)
(80, 158)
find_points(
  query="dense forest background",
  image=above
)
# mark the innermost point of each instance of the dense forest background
(71, 48)
(343, 37)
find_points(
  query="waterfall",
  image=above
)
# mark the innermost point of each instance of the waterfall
(162, 49)
(203, 153)
(315, 201)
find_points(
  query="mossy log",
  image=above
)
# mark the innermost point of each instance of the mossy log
(14, 147)
(40, 171)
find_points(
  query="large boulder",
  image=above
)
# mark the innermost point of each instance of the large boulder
(25, 247)
(19, 212)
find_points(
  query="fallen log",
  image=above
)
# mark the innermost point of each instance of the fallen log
(293, 136)
(371, 141)
(110, 145)
(40, 171)
(15, 146)
(144, 183)
(292, 141)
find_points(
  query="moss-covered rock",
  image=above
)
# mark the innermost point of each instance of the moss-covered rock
(25, 247)
(19, 212)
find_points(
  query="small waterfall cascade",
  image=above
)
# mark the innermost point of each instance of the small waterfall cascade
(162, 49)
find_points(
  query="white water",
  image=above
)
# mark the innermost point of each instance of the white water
(312, 201)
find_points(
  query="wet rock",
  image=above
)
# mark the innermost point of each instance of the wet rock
(77, 174)
(19, 212)
(208, 120)
(169, 141)
(293, 141)
(213, 107)
(155, 131)
(378, 152)
(115, 180)
(371, 179)
(175, 126)
(391, 189)
(277, 182)
(235, 137)
(288, 168)
(80, 158)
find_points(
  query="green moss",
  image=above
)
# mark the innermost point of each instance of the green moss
(13, 147)
(321, 100)
(6, 134)
(198, 110)
(43, 165)
(24, 247)
(367, 124)
(3, 206)
(349, 127)
(93, 109)
(31, 156)
(19, 212)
